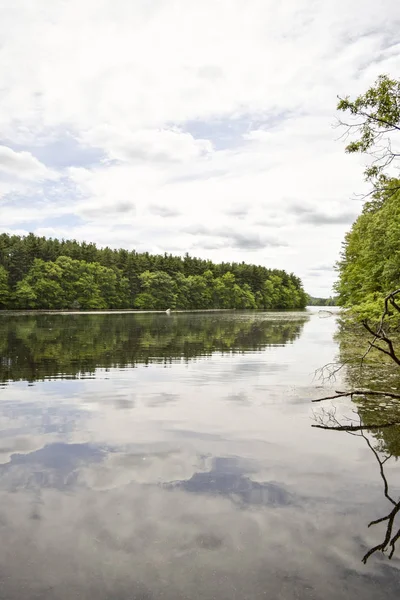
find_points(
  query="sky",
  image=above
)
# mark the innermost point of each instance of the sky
(206, 127)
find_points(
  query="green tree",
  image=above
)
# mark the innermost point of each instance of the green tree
(224, 290)
(312, 301)
(270, 292)
(120, 279)
(42, 287)
(158, 291)
(4, 288)
(25, 296)
(369, 267)
(69, 283)
(243, 297)
(374, 117)
(88, 293)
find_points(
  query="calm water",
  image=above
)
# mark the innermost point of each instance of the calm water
(169, 457)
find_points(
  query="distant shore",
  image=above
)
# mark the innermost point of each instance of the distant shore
(64, 311)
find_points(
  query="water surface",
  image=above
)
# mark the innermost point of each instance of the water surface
(172, 457)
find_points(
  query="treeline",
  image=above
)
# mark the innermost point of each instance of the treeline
(311, 301)
(44, 273)
(370, 263)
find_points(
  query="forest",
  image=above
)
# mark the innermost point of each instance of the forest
(370, 264)
(312, 301)
(44, 273)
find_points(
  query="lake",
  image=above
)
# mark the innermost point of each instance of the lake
(154, 456)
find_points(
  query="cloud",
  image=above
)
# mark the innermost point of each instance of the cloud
(314, 216)
(163, 211)
(124, 207)
(22, 165)
(238, 211)
(219, 238)
(318, 218)
(314, 274)
(250, 241)
(153, 145)
(197, 229)
(325, 268)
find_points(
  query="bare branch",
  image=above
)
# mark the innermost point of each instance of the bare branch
(389, 540)
(329, 371)
(352, 393)
(382, 472)
(380, 333)
(337, 395)
(356, 427)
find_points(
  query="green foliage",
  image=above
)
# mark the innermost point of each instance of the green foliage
(4, 288)
(369, 267)
(370, 262)
(158, 291)
(68, 283)
(311, 301)
(52, 274)
(374, 116)
(25, 296)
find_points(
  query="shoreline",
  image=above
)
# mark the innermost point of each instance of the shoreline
(64, 311)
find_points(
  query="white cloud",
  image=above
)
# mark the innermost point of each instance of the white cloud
(20, 175)
(158, 145)
(22, 165)
(196, 108)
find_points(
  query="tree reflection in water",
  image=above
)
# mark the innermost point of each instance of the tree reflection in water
(34, 347)
(327, 419)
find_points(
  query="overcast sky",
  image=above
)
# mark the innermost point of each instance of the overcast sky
(189, 125)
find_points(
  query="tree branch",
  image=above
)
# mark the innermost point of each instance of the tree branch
(356, 427)
(379, 120)
(389, 540)
(382, 472)
(352, 393)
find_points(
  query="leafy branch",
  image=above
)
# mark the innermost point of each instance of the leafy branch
(374, 116)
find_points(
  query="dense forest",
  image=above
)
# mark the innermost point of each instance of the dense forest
(41, 273)
(370, 265)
